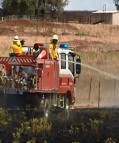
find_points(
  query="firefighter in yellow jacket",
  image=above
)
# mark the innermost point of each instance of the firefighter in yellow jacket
(53, 48)
(16, 47)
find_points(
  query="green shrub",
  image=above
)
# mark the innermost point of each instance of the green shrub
(110, 140)
(96, 125)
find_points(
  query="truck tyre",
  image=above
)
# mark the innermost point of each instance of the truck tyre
(66, 107)
(46, 108)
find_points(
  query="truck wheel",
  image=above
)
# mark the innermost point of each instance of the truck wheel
(46, 108)
(66, 108)
(64, 115)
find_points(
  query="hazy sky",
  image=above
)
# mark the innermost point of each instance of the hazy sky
(90, 5)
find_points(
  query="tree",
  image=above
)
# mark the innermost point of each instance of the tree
(23, 8)
(14, 7)
(54, 5)
(116, 4)
(33, 7)
(6, 7)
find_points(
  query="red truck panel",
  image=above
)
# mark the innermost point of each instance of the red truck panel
(66, 83)
(49, 79)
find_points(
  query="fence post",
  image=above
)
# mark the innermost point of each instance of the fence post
(99, 96)
(90, 88)
(115, 88)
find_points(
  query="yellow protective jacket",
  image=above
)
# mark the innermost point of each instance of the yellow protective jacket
(1, 80)
(16, 47)
(53, 51)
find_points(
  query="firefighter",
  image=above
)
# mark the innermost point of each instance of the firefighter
(53, 48)
(4, 73)
(36, 50)
(1, 78)
(16, 47)
(22, 42)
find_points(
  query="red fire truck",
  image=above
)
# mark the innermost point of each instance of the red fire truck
(28, 83)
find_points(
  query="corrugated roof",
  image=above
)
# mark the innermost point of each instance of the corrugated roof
(107, 11)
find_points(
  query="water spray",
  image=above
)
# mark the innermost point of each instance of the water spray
(100, 71)
(95, 69)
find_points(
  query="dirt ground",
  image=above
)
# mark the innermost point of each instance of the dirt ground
(82, 37)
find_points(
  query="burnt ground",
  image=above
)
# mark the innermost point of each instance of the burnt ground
(86, 126)
(83, 126)
(89, 126)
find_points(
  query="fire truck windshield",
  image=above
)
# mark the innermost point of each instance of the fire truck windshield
(67, 61)
(63, 61)
(71, 62)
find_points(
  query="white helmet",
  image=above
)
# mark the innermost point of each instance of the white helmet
(16, 37)
(55, 37)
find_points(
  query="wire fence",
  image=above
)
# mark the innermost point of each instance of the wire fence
(97, 90)
(67, 17)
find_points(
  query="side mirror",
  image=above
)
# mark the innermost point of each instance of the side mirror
(78, 65)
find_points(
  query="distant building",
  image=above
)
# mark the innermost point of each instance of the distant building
(76, 16)
(110, 17)
(90, 17)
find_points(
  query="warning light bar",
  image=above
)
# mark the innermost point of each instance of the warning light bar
(64, 46)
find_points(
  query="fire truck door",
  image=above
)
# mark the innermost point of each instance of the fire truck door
(50, 77)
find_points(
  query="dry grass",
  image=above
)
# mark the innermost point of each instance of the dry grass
(89, 37)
